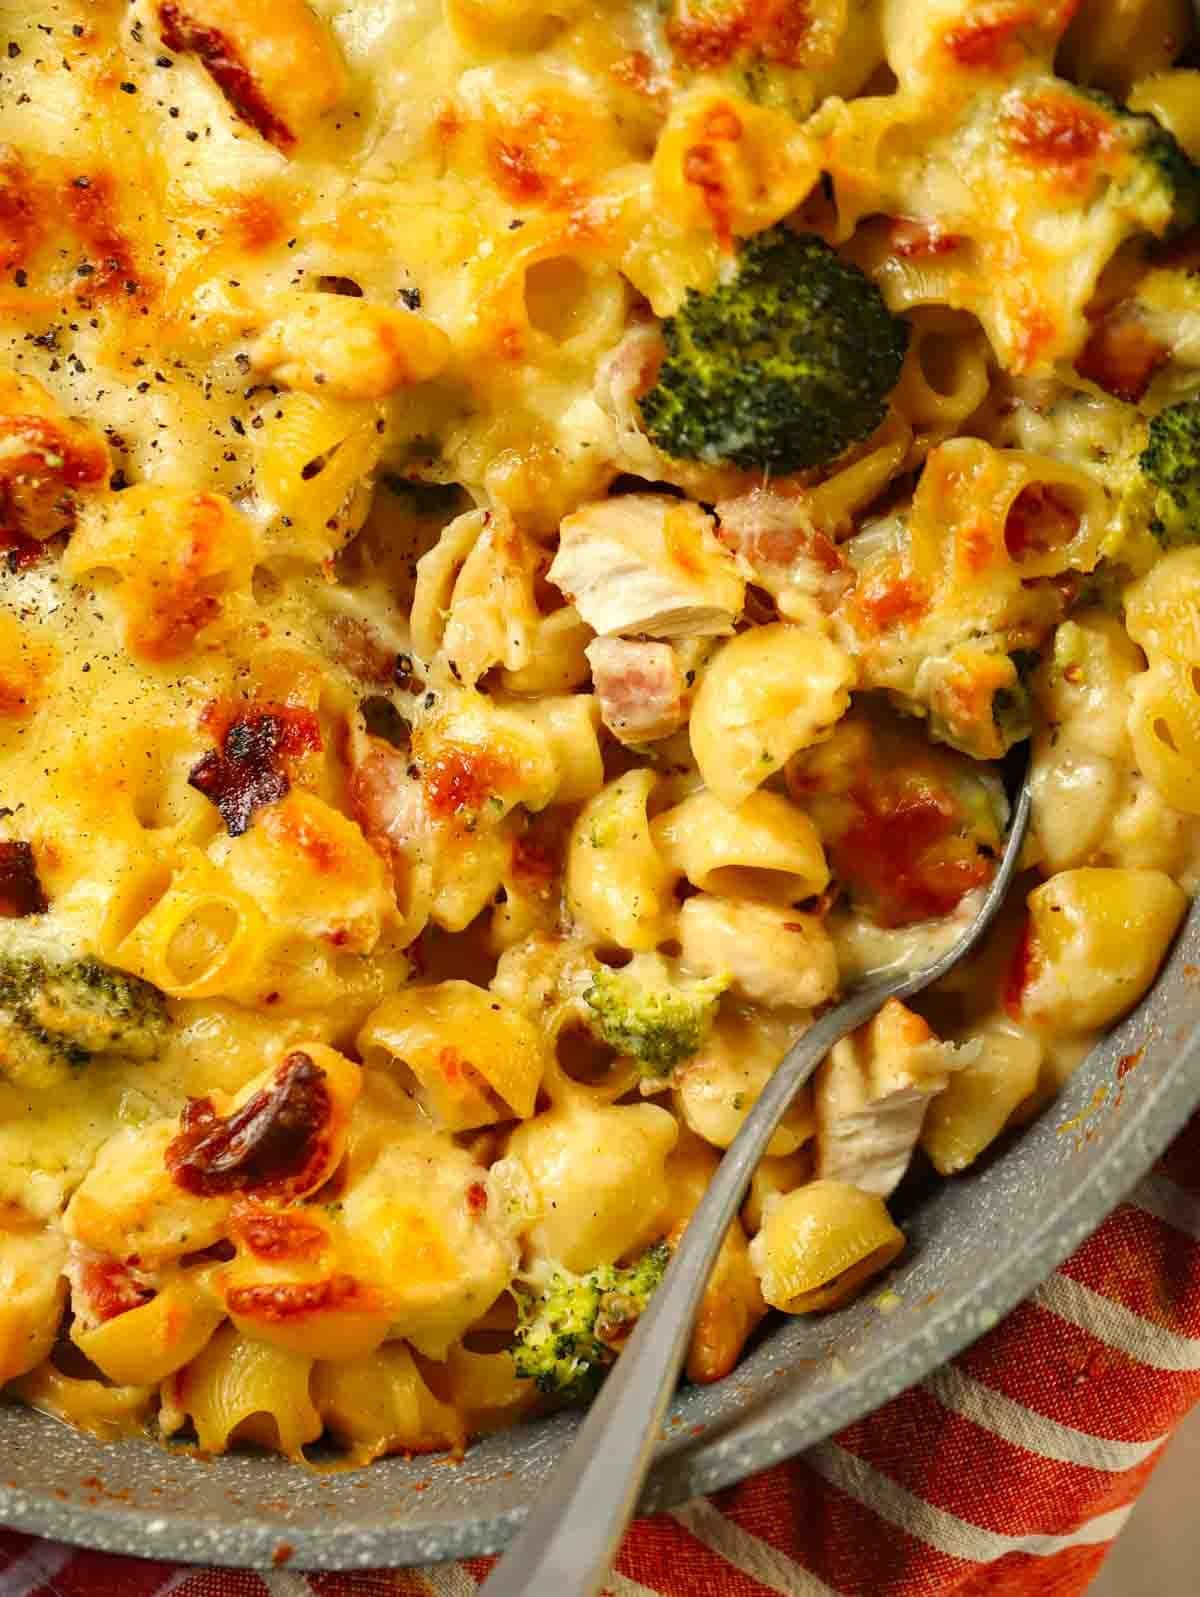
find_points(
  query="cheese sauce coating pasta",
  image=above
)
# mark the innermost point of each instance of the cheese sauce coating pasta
(525, 530)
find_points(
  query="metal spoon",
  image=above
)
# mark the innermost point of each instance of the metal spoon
(568, 1542)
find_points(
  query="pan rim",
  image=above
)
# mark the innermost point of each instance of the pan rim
(1142, 1135)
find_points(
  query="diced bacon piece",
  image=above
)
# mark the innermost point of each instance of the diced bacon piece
(1122, 354)
(622, 377)
(648, 563)
(914, 240)
(389, 801)
(640, 686)
(778, 545)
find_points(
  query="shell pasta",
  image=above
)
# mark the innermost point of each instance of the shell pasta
(526, 531)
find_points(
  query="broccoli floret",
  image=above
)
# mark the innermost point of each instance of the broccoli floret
(1170, 465)
(782, 367)
(55, 1015)
(569, 1334)
(1012, 707)
(1013, 715)
(645, 1013)
(1164, 160)
(1177, 170)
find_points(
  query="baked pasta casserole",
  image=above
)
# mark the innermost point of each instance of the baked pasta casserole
(527, 528)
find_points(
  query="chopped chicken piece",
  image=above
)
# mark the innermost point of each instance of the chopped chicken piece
(641, 688)
(773, 955)
(648, 563)
(348, 348)
(871, 1096)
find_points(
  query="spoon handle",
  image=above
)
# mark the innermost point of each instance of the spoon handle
(572, 1534)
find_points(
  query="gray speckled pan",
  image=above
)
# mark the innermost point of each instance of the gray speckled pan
(978, 1245)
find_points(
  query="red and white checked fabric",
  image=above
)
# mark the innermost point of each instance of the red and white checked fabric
(1007, 1473)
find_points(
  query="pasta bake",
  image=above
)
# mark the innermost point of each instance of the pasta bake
(528, 529)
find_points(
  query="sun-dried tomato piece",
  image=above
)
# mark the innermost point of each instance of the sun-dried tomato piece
(277, 1233)
(45, 464)
(21, 891)
(274, 1145)
(90, 200)
(300, 730)
(22, 211)
(1022, 968)
(229, 72)
(108, 1288)
(246, 773)
(1122, 355)
(903, 851)
(279, 1301)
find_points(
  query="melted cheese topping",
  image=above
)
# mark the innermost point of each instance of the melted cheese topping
(372, 687)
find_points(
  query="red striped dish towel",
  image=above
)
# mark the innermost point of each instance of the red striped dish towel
(1007, 1473)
